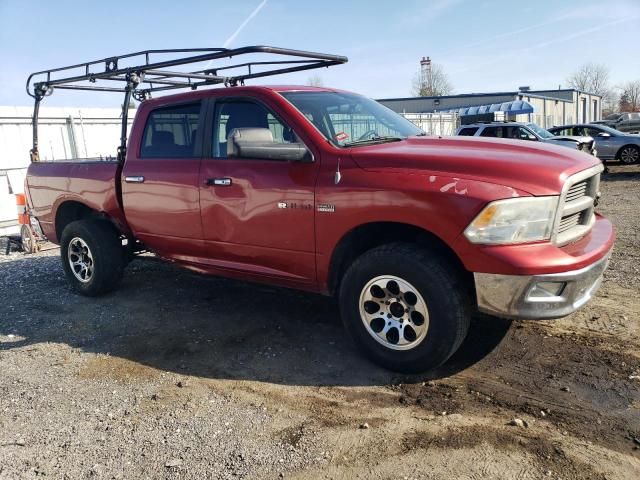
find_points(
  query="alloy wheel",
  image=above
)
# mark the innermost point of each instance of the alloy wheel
(630, 155)
(394, 312)
(80, 259)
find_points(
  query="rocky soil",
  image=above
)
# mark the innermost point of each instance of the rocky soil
(177, 375)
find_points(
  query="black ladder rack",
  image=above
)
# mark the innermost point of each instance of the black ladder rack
(148, 76)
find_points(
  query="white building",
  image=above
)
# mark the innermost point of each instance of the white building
(547, 107)
(63, 133)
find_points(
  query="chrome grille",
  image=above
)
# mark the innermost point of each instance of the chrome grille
(575, 216)
(569, 221)
(577, 191)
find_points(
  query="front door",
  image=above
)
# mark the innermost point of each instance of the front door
(160, 182)
(607, 147)
(257, 214)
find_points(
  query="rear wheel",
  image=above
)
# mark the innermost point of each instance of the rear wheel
(92, 256)
(28, 240)
(629, 154)
(404, 307)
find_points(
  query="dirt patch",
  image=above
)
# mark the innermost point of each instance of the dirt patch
(549, 456)
(578, 384)
(114, 368)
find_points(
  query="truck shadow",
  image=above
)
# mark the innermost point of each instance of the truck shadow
(171, 320)
(618, 172)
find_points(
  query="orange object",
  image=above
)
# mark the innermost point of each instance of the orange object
(21, 203)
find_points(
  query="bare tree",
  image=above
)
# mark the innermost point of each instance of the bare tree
(433, 85)
(630, 97)
(315, 81)
(610, 102)
(591, 78)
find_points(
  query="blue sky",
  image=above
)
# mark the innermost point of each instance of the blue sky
(483, 45)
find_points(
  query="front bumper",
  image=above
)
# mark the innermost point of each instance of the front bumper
(538, 297)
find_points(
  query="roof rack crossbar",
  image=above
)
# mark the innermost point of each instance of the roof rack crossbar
(249, 64)
(199, 76)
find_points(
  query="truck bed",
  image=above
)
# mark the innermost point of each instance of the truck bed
(87, 181)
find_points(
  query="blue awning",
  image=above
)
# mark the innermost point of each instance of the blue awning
(516, 107)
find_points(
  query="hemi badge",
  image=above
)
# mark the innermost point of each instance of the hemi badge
(326, 207)
(282, 205)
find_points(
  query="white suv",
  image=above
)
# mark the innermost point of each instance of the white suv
(526, 131)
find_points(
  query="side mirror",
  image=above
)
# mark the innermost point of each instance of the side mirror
(258, 143)
(604, 134)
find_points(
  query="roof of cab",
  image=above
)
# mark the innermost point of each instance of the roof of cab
(196, 94)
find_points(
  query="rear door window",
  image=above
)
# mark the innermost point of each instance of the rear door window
(492, 132)
(468, 132)
(170, 132)
(565, 132)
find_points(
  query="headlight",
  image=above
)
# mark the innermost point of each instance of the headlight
(514, 220)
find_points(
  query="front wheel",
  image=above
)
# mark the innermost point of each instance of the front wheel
(405, 309)
(92, 256)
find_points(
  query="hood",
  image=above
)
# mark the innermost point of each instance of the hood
(564, 138)
(533, 167)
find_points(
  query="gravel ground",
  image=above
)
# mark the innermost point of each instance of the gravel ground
(177, 375)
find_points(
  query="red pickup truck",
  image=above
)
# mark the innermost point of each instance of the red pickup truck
(328, 191)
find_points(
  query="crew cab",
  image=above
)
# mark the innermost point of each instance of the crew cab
(327, 191)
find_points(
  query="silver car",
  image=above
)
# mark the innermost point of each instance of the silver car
(611, 144)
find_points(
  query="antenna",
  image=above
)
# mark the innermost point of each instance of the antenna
(426, 75)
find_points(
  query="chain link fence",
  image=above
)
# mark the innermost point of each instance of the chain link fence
(435, 123)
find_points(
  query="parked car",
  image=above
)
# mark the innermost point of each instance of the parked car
(628, 122)
(611, 143)
(330, 192)
(526, 131)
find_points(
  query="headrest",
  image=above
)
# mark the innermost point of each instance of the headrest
(162, 138)
(247, 135)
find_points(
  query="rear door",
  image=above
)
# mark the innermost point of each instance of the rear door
(160, 190)
(257, 214)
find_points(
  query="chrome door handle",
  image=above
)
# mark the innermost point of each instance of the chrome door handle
(134, 179)
(219, 182)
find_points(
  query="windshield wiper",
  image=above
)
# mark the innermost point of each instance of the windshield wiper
(382, 139)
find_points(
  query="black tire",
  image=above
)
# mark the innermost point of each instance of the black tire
(107, 258)
(443, 290)
(629, 154)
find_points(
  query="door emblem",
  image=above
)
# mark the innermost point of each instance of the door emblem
(295, 206)
(326, 207)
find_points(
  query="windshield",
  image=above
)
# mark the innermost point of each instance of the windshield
(346, 119)
(541, 132)
(613, 116)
